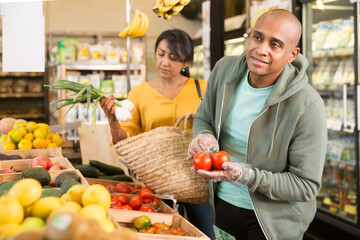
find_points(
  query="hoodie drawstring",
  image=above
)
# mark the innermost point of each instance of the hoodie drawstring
(273, 134)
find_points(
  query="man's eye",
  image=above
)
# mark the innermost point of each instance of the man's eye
(275, 45)
(161, 54)
(257, 37)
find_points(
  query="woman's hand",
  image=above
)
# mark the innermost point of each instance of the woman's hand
(108, 106)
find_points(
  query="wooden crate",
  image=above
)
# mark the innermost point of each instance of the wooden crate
(31, 153)
(126, 219)
(20, 164)
(17, 176)
(164, 207)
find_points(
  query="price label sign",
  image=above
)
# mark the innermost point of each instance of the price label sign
(222, 235)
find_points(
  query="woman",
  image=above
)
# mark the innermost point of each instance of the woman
(162, 100)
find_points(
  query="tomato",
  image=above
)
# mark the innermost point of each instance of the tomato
(163, 231)
(137, 186)
(123, 199)
(122, 188)
(110, 188)
(114, 200)
(134, 190)
(156, 201)
(117, 206)
(177, 231)
(136, 202)
(146, 193)
(126, 207)
(218, 159)
(147, 230)
(148, 207)
(202, 160)
(160, 226)
(142, 221)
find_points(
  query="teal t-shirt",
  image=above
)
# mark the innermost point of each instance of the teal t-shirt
(245, 105)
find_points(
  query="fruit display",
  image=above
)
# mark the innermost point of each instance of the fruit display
(137, 27)
(168, 8)
(204, 161)
(29, 135)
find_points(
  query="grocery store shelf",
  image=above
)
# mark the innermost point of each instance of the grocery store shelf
(24, 115)
(22, 74)
(21, 95)
(333, 52)
(104, 67)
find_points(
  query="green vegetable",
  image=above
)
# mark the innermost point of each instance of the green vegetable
(88, 171)
(106, 168)
(122, 178)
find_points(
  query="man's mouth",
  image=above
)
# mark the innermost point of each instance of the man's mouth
(259, 60)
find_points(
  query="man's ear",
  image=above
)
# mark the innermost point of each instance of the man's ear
(294, 54)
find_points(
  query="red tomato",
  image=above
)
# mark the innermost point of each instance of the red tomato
(117, 206)
(146, 193)
(147, 230)
(147, 207)
(202, 160)
(122, 188)
(218, 159)
(156, 201)
(114, 200)
(177, 231)
(126, 207)
(123, 199)
(137, 186)
(136, 202)
(110, 188)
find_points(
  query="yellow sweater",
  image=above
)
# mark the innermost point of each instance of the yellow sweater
(153, 109)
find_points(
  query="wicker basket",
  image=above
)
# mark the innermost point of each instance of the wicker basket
(159, 160)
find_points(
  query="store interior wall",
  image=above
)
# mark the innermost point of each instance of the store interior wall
(110, 16)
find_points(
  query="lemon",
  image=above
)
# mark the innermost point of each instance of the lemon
(22, 130)
(39, 143)
(40, 133)
(26, 191)
(29, 136)
(96, 194)
(31, 126)
(27, 211)
(25, 144)
(52, 145)
(107, 225)
(11, 210)
(75, 193)
(33, 223)
(9, 146)
(71, 204)
(43, 125)
(19, 124)
(44, 206)
(55, 138)
(10, 230)
(16, 136)
(94, 211)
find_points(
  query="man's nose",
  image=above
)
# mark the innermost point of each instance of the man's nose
(262, 48)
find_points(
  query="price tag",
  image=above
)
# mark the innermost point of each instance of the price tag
(222, 235)
(3, 74)
(18, 95)
(32, 74)
(3, 95)
(17, 74)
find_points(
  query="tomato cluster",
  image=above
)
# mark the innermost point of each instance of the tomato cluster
(143, 225)
(142, 200)
(202, 160)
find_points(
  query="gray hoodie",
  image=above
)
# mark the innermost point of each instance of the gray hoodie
(286, 144)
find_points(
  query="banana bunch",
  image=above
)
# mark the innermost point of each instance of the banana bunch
(137, 27)
(168, 8)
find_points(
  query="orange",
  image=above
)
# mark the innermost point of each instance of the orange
(19, 124)
(22, 130)
(31, 126)
(9, 146)
(16, 136)
(29, 136)
(41, 133)
(25, 144)
(43, 125)
(52, 145)
(3, 138)
(55, 138)
(40, 143)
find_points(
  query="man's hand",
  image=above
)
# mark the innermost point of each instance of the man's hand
(203, 143)
(233, 173)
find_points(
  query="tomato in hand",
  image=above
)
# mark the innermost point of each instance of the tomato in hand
(218, 159)
(202, 160)
(136, 202)
(123, 199)
(146, 193)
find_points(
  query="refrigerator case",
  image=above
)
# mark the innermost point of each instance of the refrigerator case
(329, 45)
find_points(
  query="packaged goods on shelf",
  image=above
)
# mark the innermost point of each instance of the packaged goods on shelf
(95, 80)
(135, 79)
(107, 86)
(67, 50)
(34, 87)
(83, 52)
(120, 84)
(6, 86)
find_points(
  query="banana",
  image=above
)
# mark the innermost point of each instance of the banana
(169, 3)
(184, 2)
(176, 8)
(140, 27)
(167, 16)
(156, 7)
(145, 28)
(144, 25)
(135, 25)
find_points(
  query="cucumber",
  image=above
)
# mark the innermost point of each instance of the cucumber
(88, 171)
(106, 168)
(122, 178)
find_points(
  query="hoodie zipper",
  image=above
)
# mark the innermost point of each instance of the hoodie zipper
(246, 161)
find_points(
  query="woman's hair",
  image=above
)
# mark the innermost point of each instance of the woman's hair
(178, 40)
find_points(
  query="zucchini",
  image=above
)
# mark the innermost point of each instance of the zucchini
(122, 178)
(106, 168)
(88, 171)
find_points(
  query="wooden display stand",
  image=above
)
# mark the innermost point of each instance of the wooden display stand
(21, 164)
(31, 153)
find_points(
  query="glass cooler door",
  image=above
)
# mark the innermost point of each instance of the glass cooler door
(328, 43)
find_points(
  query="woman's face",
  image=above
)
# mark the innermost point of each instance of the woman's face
(166, 64)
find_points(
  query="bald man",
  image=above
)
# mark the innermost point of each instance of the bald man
(261, 110)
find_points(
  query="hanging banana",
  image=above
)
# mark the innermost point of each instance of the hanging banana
(137, 27)
(167, 8)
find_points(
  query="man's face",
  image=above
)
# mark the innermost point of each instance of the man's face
(271, 45)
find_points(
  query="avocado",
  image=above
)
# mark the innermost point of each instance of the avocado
(46, 186)
(88, 171)
(68, 184)
(66, 176)
(37, 173)
(5, 187)
(52, 193)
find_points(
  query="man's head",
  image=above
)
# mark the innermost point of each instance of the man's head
(272, 43)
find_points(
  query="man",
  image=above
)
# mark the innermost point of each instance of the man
(260, 108)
